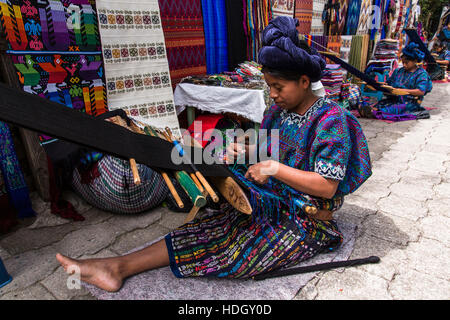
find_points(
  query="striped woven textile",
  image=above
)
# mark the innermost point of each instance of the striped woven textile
(257, 14)
(182, 23)
(228, 244)
(304, 12)
(114, 190)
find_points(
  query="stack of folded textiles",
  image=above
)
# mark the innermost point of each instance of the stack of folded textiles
(384, 58)
(386, 49)
(332, 81)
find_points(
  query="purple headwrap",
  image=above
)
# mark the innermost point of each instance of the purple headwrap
(281, 50)
(412, 50)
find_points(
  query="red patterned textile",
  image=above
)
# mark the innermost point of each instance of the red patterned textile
(303, 12)
(182, 23)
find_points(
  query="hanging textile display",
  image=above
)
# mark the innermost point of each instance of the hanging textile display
(257, 14)
(363, 24)
(13, 178)
(406, 14)
(283, 8)
(412, 19)
(182, 24)
(333, 45)
(216, 38)
(346, 44)
(317, 26)
(304, 12)
(342, 18)
(136, 65)
(394, 11)
(401, 16)
(351, 23)
(55, 48)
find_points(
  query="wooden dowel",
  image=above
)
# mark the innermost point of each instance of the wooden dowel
(198, 184)
(134, 170)
(164, 174)
(172, 189)
(137, 179)
(199, 175)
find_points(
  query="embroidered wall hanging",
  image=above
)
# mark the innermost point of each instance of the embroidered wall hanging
(283, 8)
(136, 66)
(55, 48)
(317, 26)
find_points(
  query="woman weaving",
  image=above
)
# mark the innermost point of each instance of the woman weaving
(410, 77)
(323, 156)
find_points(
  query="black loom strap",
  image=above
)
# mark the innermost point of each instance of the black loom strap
(38, 114)
(356, 72)
(317, 267)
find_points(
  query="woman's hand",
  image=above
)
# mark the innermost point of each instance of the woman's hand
(262, 171)
(234, 151)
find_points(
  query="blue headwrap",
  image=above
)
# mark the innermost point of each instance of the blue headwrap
(412, 50)
(281, 49)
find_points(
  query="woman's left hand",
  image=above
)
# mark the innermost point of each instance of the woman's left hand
(262, 171)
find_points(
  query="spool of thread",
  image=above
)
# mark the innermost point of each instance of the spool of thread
(191, 189)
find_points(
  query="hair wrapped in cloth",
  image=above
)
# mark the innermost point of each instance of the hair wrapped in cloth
(412, 51)
(281, 49)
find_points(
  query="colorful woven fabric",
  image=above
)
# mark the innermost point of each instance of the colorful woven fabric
(364, 16)
(11, 172)
(257, 14)
(112, 187)
(56, 50)
(229, 244)
(351, 24)
(343, 7)
(182, 23)
(334, 45)
(304, 13)
(317, 26)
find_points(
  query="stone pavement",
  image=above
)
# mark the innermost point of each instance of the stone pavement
(402, 213)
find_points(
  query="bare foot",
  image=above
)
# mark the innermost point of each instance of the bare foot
(99, 272)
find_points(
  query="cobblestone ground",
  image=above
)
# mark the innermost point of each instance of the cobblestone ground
(402, 213)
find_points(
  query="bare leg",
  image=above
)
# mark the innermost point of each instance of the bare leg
(108, 273)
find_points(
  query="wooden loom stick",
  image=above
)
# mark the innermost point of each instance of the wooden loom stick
(227, 186)
(229, 189)
(164, 174)
(197, 173)
(186, 182)
(137, 180)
